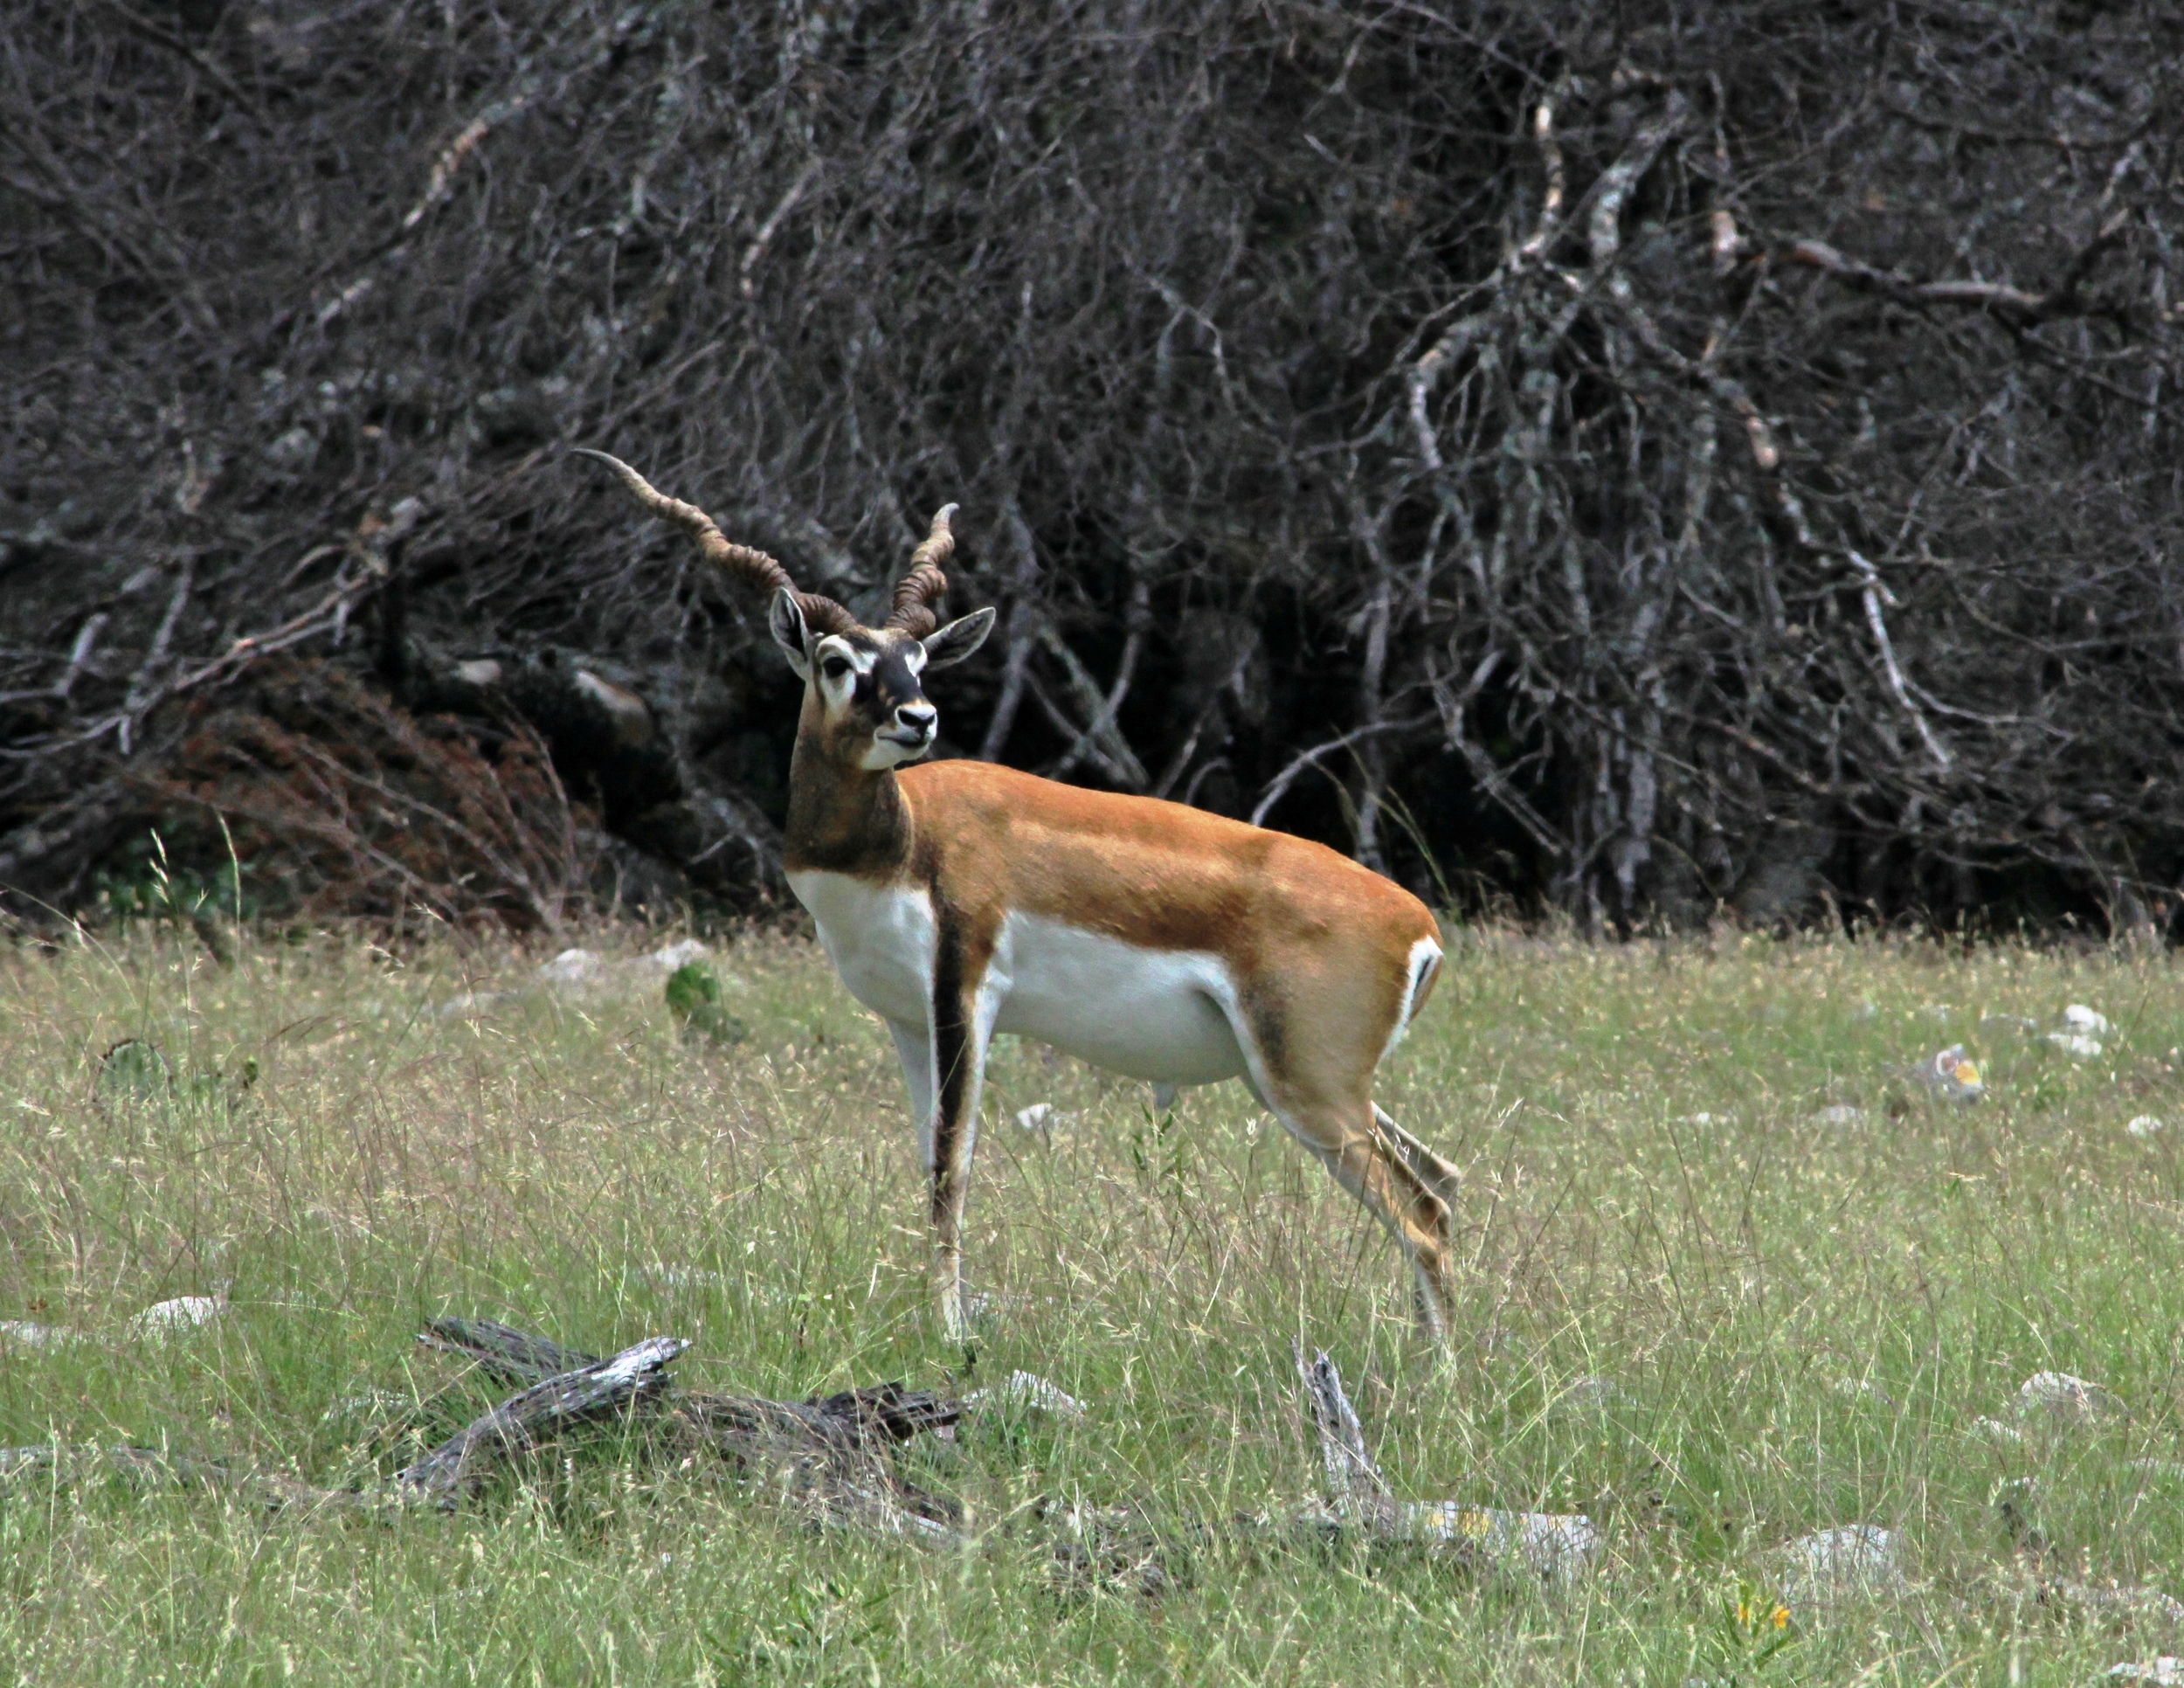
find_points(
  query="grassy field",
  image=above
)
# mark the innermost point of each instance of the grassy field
(1692, 1308)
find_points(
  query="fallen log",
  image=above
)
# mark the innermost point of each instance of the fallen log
(825, 1454)
(523, 1421)
(1356, 1486)
(828, 1456)
(1554, 1546)
(831, 1459)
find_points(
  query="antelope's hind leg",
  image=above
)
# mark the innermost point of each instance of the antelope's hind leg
(1352, 1146)
(1438, 1175)
(1328, 1107)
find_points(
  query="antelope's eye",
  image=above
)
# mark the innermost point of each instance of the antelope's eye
(835, 667)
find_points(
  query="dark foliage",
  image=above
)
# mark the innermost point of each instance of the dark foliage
(1632, 458)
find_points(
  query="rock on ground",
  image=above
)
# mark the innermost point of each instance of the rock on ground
(1851, 1559)
(2065, 1399)
(24, 1334)
(1951, 1075)
(166, 1319)
(1026, 1390)
(1556, 1546)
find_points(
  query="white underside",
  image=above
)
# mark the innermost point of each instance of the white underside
(879, 938)
(1159, 1014)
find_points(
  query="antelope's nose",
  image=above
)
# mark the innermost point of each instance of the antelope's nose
(918, 718)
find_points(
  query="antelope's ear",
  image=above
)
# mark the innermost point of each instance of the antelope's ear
(958, 639)
(786, 619)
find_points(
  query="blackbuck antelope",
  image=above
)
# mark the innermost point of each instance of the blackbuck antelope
(959, 899)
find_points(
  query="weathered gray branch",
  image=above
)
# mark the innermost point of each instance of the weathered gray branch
(1555, 1547)
(521, 1422)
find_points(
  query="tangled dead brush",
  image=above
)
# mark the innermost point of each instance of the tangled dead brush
(347, 805)
(1634, 460)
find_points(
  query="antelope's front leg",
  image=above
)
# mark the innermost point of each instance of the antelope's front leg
(966, 997)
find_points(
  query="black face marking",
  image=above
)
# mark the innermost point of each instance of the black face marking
(891, 684)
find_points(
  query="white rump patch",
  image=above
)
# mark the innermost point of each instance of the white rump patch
(1424, 962)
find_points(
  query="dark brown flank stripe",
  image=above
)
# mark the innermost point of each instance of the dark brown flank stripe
(952, 1052)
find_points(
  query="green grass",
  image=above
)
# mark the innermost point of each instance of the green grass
(578, 1169)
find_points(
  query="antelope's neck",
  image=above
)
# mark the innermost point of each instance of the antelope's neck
(844, 821)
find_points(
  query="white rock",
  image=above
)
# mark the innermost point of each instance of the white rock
(2079, 1018)
(2144, 1126)
(166, 1319)
(2074, 1043)
(2068, 1400)
(1854, 1559)
(1553, 1545)
(2166, 1671)
(586, 971)
(669, 956)
(24, 1334)
(2131, 1600)
(1044, 1116)
(572, 968)
(1950, 1074)
(1026, 1391)
(1841, 1113)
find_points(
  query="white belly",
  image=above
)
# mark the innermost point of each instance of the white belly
(880, 939)
(1148, 1013)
